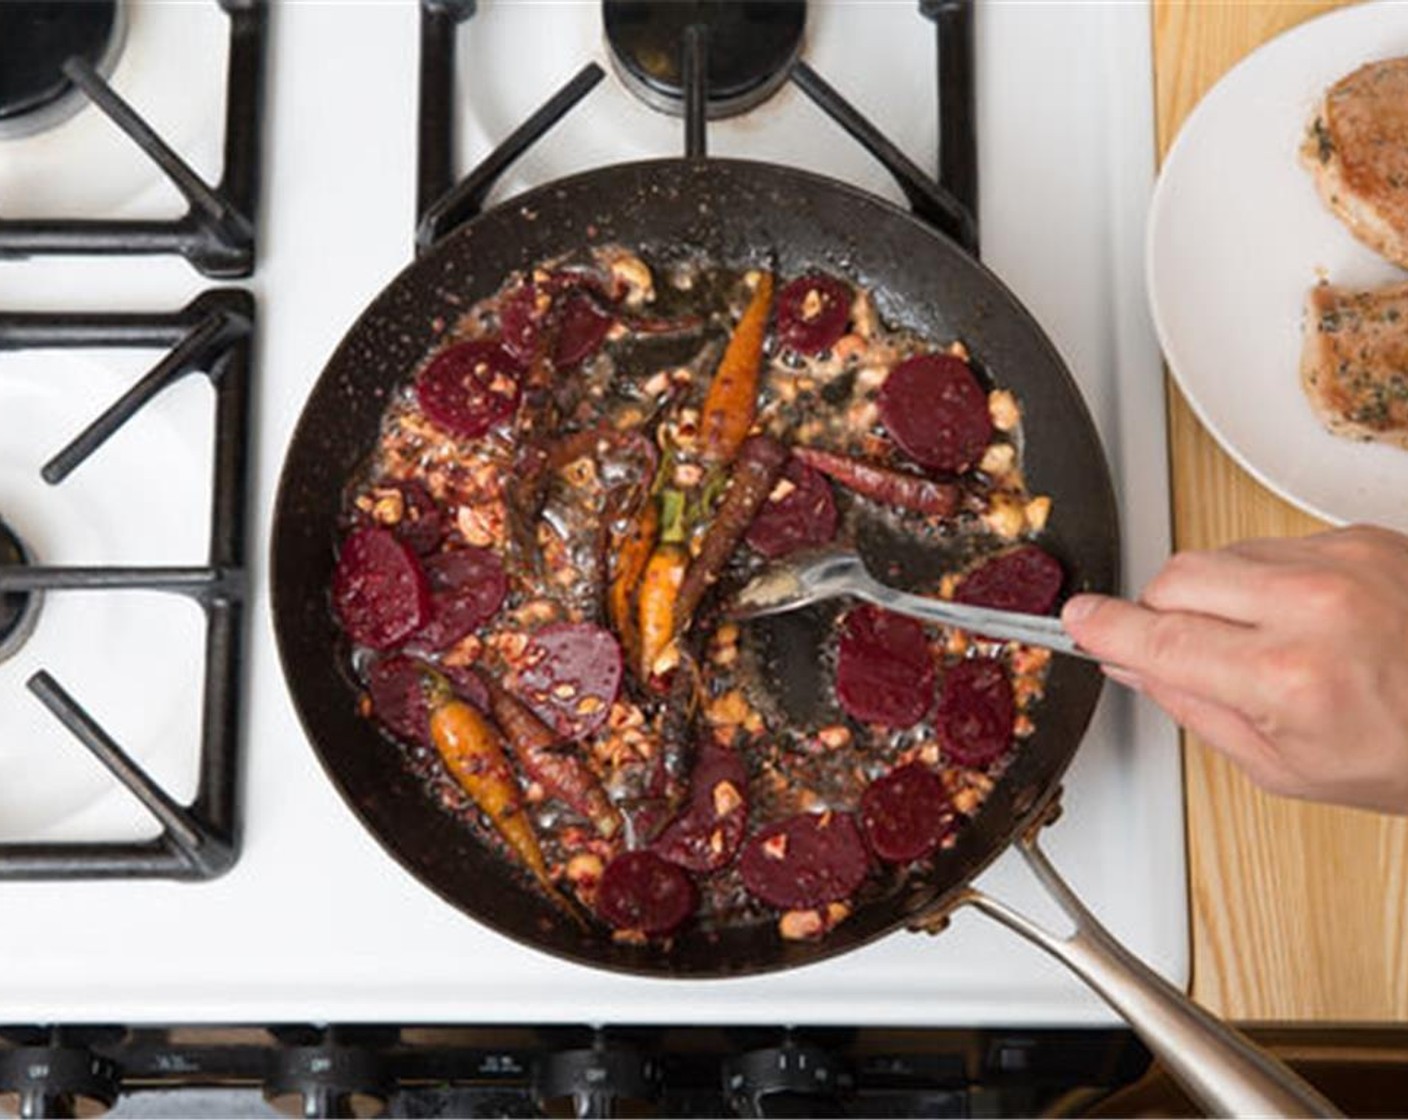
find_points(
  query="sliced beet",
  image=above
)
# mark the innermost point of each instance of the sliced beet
(572, 676)
(641, 891)
(397, 688)
(396, 685)
(975, 712)
(467, 587)
(884, 671)
(934, 408)
(1024, 579)
(582, 328)
(706, 834)
(468, 684)
(522, 313)
(379, 591)
(906, 813)
(563, 303)
(805, 516)
(422, 524)
(805, 861)
(470, 387)
(812, 312)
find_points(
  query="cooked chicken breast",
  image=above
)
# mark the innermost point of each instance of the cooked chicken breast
(1356, 148)
(1354, 366)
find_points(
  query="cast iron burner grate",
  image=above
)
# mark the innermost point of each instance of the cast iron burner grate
(752, 46)
(217, 232)
(36, 38)
(213, 335)
(950, 204)
(19, 610)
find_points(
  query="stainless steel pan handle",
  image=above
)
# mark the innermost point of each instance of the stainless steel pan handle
(1219, 1067)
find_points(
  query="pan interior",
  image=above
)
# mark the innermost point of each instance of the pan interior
(739, 215)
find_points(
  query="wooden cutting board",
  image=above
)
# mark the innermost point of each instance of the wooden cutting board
(1299, 911)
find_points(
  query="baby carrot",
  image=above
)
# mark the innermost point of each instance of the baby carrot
(473, 752)
(660, 585)
(907, 491)
(631, 559)
(732, 403)
(562, 774)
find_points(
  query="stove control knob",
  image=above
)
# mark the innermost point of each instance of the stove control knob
(58, 1081)
(327, 1080)
(596, 1079)
(794, 1079)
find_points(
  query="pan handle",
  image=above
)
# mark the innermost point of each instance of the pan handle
(1224, 1072)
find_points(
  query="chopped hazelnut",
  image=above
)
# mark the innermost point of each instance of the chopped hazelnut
(1037, 511)
(784, 487)
(726, 798)
(1002, 407)
(389, 507)
(998, 459)
(800, 925)
(1005, 516)
(835, 736)
(584, 867)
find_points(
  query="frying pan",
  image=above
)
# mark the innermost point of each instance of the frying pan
(739, 214)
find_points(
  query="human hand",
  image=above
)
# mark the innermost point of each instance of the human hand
(1289, 656)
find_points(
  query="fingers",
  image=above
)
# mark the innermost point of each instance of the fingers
(1224, 584)
(1225, 730)
(1207, 657)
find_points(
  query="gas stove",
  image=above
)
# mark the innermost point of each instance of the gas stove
(365, 115)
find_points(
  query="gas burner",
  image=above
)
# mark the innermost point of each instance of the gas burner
(751, 48)
(19, 610)
(37, 37)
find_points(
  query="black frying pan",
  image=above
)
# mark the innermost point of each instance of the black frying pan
(738, 214)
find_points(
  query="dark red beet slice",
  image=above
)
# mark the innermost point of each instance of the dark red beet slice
(812, 312)
(975, 713)
(397, 688)
(396, 685)
(803, 518)
(582, 328)
(934, 408)
(640, 891)
(562, 302)
(1025, 579)
(468, 685)
(906, 813)
(884, 671)
(805, 861)
(470, 387)
(422, 524)
(379, 591)
(522, 314)
(572, 676)
(467, 588)
(705, 836)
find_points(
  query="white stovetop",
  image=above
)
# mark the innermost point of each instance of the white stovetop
(316, 922)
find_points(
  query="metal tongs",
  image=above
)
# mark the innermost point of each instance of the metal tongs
(811, 577)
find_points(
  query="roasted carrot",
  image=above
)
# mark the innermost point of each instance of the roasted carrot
(732, 403)
(660, 585)
(562, 775)
(628, 567)
(473, 752)
(890, 487)
(760, 462)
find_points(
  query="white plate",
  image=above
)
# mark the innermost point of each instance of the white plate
(1237, 235)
